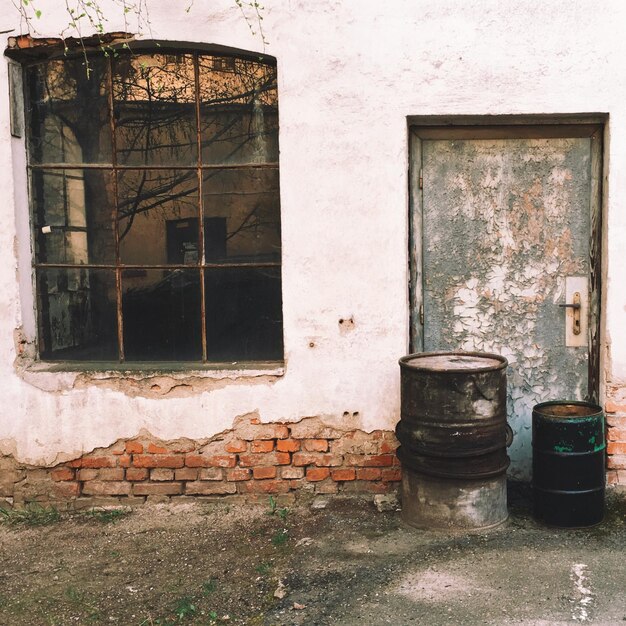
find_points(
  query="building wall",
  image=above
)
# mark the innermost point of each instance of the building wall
(350, 73)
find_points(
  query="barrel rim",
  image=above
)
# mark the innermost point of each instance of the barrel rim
(598, 411)
(404, 362)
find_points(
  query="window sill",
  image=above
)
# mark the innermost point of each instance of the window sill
(149, 379)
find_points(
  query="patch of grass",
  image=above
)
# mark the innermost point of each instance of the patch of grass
(209, 586)
(32, 515)
(280, 538)
(80, 599)
(106, 516)
(263, 568)
(184, 608)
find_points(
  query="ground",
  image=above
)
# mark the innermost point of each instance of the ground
(269, 564)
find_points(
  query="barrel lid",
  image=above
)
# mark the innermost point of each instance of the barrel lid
(568, 409)
(453, 361)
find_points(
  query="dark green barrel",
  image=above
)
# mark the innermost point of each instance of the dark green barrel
(568, 463)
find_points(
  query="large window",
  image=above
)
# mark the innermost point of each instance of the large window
(155, 207)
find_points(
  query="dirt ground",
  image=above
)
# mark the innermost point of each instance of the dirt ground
(346, 564)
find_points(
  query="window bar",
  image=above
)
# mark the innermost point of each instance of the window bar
(115, 217)
(201, 251)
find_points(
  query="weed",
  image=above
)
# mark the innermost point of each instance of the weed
(32, 515)
(280, 538)
(80, 599)
(106, 516)
(274, 510)
(209, 586)
(263, 568)
(184, 608)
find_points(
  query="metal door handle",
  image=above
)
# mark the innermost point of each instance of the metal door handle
(575, 306)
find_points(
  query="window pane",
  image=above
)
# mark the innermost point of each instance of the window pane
(73, 216)
(155, 109)
(77, 314)
(150, 203)
(238, 111)
(243, 314)
(68, 114)
(162, 313)
(248, 200)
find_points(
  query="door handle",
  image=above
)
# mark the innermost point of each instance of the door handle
(575, 306)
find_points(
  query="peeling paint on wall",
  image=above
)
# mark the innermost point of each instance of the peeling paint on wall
(505, 222)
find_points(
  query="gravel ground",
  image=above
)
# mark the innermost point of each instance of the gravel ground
(344, 564)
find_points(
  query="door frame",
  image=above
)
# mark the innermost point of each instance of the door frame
(509, 127)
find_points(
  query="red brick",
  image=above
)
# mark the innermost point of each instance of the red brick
(615, 447)
(161, 460)
(265, 445)
(101, 488)
(261, 473)
(161, 474)
(316, 458)
(113, 473)
(617, 462)
(616, 434)
(264, 431)
(157, 489)
(317, 473)
(125, 460)
(392, 475)
(290, 472)
(186, 473)
(75, 463)
(369, 460)
(97, 462)
(136, 473)
(238, 474)
(62, 473)
(388, 447)
(368, 473)
(343, 474)
(209, 488)
(236, 445)
(326, 486)
(154, 449)
(66, 489)
(612, 477)
(287, 445)
(204, 460)
(134, 447)
(316, 445)
(264, 486)
(268, 458)
(211, 473)
(87, 474)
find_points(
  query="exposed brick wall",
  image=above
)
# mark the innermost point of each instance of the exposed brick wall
(615, 410)
(250, 459)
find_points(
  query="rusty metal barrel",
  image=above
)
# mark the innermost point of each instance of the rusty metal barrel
(453, 436)
(568, 463)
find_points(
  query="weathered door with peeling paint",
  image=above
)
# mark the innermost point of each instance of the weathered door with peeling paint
(503, 227)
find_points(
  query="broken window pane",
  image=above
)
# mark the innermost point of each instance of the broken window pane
(155, 109)
(238, 111)
(162, 315)
(73, 216)
(77, 314)
(243, 314)
(149, 201)
(69, 118)
(248, 200)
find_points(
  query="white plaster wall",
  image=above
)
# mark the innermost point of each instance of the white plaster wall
(350, 72)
